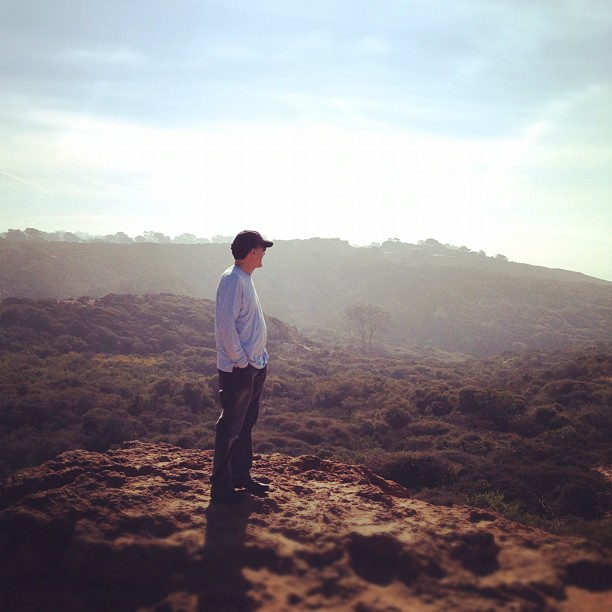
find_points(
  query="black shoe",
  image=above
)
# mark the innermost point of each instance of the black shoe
(229, 498)
(254, 486)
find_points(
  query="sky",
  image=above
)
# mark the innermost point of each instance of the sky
(479, 123)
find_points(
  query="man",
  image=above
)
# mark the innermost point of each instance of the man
(240, 334)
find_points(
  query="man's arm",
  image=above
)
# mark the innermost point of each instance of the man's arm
(229, 300)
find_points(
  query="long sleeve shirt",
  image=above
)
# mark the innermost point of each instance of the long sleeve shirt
(240, 328)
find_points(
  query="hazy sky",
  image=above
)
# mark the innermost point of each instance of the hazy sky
(480, 123)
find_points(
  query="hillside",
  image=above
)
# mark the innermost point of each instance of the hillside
(132, 529)
(450, 299)
(528, 435)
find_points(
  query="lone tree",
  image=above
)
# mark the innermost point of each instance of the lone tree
(367, 320)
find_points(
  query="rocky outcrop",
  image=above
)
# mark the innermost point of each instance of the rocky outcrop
(133, 529)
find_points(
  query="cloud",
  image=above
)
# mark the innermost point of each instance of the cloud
(454, 119)
(489, 62)
(24, 181)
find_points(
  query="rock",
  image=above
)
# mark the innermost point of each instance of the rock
(133, 529)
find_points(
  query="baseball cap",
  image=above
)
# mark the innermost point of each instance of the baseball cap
(247, 240)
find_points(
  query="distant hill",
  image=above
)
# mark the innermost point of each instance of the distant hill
(448, 298)
(118, 324)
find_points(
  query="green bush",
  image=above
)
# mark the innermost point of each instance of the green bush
(397, 416)
(495, 500)
(598, 531)
(413, 470)
(103, 428)
(579, 499)
(475, 445)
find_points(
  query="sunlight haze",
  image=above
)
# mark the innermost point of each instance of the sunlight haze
(479, 124)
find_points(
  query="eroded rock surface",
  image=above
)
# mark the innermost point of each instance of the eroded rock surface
(133, 529)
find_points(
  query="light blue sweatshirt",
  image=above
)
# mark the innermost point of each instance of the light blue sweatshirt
(240, 328)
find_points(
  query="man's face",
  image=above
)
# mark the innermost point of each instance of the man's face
(257, 254)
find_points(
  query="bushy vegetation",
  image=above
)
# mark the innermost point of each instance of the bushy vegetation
(519, 434)
(428, 294)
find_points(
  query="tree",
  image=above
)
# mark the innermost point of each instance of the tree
(219, 239)
(367, 320)
(151, 236)
(34, 234)
(185, 238)
(118, 238)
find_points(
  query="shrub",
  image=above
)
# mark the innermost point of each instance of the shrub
(428, 427)
(496, 408)
(475, 445)
(545, 414)
(496, 501)
(433, 399)
(599, 531)
(439, 408)
(396, 417)
(578, 499)
(102, 428)
(413, 470)
(471, 400)
(309, 436)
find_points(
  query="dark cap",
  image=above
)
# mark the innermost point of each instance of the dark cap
(247, 240)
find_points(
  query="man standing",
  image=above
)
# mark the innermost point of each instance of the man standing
(240, 334)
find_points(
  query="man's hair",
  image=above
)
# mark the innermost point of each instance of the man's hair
(240, 251)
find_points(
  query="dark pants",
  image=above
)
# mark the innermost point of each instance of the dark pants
(240, 393)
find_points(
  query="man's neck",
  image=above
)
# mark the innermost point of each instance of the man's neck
(244, 267)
